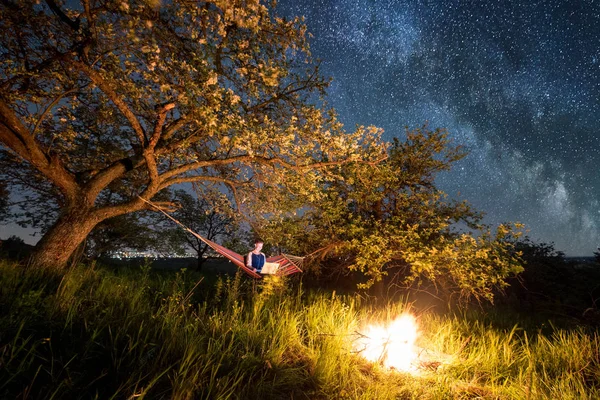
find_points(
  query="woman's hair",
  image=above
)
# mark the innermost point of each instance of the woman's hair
(258, 240)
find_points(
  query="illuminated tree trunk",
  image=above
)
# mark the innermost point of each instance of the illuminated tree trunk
(76, 222)
(58, 244)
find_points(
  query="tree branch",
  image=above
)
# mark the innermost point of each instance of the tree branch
(109, 174)
(135, 204)
(18, 138)
(249, 159)
(199, 164)
(47, 110)
(198, 178)
(63, 17)
(286, 91)
(173, 127)
(114, 97)
(149, 154)
(160, 121)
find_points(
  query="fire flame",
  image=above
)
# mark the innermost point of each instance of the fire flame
(392, 345)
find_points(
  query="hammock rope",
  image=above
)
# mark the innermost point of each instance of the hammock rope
(288, 264)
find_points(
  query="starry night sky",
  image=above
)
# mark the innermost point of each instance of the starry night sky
(517, 83)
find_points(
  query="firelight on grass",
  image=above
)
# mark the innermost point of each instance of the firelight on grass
(392, 345)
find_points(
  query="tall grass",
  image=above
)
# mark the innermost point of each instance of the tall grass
(483, 361)
(128, 334)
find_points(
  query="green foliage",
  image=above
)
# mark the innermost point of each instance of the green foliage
(102, 105)
(93, 333)
(390, 219)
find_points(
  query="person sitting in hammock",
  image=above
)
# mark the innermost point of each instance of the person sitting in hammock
(256, 259)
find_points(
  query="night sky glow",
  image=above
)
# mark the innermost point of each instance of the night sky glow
(517, 83)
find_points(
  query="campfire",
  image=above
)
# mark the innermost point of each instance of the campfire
(392, 344)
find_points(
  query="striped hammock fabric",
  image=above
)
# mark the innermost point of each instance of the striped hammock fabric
(288, 264)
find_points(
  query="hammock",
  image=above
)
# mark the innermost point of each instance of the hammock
(288, 264)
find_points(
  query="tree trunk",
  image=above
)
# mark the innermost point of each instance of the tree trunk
(199, 261)
(379, 289)
(60, 242)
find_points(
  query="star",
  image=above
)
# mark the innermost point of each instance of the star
(517, 83)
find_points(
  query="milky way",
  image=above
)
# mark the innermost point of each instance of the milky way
(517, 83)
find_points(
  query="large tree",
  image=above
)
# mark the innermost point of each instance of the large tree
(391, 223)
(104, 103)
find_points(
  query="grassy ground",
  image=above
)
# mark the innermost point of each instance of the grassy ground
(135, 333)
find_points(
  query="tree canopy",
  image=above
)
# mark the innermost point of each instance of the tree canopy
(104, 102)
(390, 220)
